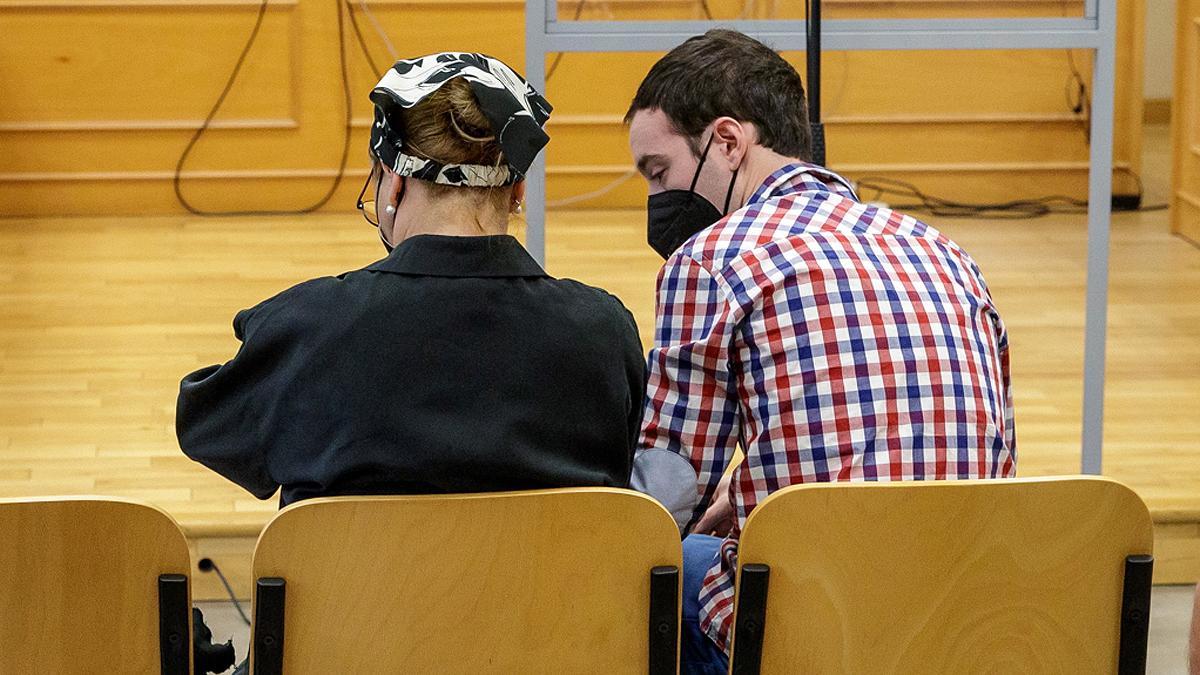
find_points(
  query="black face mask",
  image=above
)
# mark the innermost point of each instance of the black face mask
(674, 216)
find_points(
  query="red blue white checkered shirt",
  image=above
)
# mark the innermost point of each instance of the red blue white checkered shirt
(832, 340)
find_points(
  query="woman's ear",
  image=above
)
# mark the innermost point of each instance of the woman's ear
(518, 191)
(393, 189)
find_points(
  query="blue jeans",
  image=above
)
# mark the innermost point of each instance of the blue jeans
(700, 655)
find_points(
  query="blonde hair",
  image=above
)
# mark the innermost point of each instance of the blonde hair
(448, 126)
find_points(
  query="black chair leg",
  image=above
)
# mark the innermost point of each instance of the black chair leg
(268, 626)
(751, 619)
(664, 620)
(174, 638)
(1135, 615)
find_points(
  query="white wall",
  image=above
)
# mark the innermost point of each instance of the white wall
(1160, 47)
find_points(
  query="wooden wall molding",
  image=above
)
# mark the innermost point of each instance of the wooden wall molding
(273, 123)
(1058, 7)
(561, 170)
(975, 167)
(137, 4)
(969, 118)
(832, 120)
(300, 120)
(1185, 123)
(146, 125)
(1188, 198)
(188, 175)
(563, 4)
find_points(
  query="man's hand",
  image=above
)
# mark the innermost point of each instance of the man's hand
(718, 519)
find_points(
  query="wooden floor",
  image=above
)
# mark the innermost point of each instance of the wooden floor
(101, 317)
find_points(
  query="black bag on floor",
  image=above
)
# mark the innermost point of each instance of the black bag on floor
(207, 657)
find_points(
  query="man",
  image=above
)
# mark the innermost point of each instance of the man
(832, 340)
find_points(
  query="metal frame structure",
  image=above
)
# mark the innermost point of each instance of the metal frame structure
(1095, 30)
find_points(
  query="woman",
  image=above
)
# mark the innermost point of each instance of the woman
(455, 364)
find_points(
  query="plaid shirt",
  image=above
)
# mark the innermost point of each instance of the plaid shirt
(833, 341)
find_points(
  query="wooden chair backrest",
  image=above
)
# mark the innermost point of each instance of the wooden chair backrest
(79, 584)
(944, 576)
(519, 582)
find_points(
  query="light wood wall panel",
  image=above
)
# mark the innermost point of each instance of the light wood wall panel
(1185, 200)
(102, 95)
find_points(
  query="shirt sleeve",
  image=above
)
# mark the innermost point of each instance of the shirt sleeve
(689, 427)
(224, 416)
(1010, 422)
(635, 376)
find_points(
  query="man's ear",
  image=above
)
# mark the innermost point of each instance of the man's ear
(731, 140)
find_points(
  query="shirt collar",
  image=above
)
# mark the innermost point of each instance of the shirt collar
(433, 255)
(801, 177)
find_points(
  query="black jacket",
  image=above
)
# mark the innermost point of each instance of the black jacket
(456, 364)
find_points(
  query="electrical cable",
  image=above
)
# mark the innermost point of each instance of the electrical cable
(1017, 209)
(362, 43)
(599, 192)
(177, 179)
(1079, 103)
(748, 8)
(579, 12)
(558, 57)
(207, 565)
(387, 42)
(605, 189)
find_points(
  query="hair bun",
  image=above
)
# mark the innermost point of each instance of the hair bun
(467, 118)
(466, 135)
(449, 126)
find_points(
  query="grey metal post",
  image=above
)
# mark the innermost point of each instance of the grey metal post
(1099, 216)
(535, 181)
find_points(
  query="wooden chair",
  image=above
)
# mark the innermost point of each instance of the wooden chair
(1029, 576)
(91, 584)
(553, 581)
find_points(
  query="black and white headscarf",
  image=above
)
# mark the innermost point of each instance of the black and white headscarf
(516, 111)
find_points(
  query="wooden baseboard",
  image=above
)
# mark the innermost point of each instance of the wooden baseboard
(1176, 553)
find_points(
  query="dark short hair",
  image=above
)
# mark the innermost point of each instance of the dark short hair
(726, 73)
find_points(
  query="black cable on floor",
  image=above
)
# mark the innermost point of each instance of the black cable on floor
(1017, 209)
(207, 565)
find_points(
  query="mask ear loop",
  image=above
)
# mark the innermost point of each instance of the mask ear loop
(703, 156)
(729, 195)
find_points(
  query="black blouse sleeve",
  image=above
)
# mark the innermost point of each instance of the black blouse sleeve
(635, 369)
(224, 415)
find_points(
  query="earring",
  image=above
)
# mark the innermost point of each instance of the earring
(519, 208)
(389, 209)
